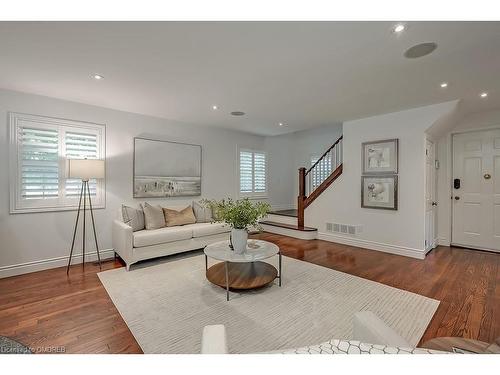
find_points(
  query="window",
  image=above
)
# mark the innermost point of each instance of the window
(39, 150)
(253, 174)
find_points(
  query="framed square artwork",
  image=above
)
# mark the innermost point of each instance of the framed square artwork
(380, 157)
(379, 192)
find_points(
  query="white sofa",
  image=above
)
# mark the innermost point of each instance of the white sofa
(133, 247)
(371, 336)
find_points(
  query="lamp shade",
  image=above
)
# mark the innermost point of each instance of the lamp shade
(86, 169)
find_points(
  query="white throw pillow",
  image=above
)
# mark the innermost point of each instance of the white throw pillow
(133, 217)
(203, 214)
(153, 216)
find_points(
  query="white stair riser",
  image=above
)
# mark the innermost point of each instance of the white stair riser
(281, 219)
(290, 232)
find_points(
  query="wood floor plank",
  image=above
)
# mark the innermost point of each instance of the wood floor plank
(48, 309)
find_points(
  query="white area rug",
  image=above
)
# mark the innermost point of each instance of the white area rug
(167, 303)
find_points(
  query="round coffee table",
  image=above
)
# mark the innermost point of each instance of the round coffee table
(242, 271)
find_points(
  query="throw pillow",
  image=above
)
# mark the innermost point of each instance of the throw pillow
(153, 216)
(133, 217)
(182, 217)
(203, 214)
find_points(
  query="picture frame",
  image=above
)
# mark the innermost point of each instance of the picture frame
(163, 169)
(380, 157)
(379, 192)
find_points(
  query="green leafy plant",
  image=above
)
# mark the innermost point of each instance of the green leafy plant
(239, 214)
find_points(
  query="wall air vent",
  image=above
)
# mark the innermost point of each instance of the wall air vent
(344, 228)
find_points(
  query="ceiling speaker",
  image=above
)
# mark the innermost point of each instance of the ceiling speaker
(420, 50)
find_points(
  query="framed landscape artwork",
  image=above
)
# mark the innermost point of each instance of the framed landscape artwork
(379, 192)
(166, 169)
(380, 157)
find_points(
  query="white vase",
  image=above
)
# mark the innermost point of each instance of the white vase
(239, 239)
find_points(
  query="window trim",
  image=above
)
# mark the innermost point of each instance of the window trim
(252, 195)
(60, 204)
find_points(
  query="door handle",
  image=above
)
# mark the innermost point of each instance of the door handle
(434, 204)
(457, 198)
(487, 176)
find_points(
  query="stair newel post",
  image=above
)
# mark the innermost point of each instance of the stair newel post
(302, 196)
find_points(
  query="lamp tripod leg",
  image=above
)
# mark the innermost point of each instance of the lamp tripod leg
(74, 232)
(84, 183)
(93, 226)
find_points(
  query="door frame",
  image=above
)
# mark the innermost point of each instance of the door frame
(434, 241)
(451, 157)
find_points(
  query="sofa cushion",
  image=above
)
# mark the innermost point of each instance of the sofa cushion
(182, 217)
(208, 229)
(163, 235)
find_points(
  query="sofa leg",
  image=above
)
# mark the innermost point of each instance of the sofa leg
(127, 267)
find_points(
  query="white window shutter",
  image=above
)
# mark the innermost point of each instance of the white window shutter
(80, 146)
(253, 173)
(246, 172)
(39, 163)
(259, 167)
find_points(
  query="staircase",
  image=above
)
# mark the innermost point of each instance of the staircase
(312, 182)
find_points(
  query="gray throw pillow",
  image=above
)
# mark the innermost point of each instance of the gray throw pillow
(133, 217)
(153, 216)
(203, 214)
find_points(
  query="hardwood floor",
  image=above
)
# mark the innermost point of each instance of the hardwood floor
(48, 310)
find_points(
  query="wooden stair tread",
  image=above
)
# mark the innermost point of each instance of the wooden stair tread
(288, 226)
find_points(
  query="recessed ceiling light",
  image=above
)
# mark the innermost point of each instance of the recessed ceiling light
(484, 95)
(444, 85)
(280, 124)
(399, 28)
(214, 107)
(98, 77)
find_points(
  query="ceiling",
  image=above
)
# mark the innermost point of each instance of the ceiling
(303, 74)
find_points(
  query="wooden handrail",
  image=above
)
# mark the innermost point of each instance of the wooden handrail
(303, 200)
(322, 187)
(324, 154)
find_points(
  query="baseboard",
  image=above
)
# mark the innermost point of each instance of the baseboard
(40, 265)
(441, 241)
(290, 232)
(372, 245)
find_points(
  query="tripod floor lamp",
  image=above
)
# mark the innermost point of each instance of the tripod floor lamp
(85, 169)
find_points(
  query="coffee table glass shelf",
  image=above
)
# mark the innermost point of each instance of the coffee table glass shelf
(242, 271)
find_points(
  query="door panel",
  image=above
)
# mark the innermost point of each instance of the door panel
(471, 212)
(471, 181)
(476, 204)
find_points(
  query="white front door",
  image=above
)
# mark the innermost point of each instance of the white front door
(476, 190)
(430, 196)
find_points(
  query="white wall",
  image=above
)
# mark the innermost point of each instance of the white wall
(400, 231)
(43, 239)
(475, 121)
(287, 153)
